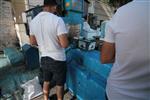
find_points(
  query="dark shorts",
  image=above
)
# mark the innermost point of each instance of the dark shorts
(53, 69)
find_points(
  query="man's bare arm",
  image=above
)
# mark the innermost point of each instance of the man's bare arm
(33, 40)
(108, 53)
(63, 40)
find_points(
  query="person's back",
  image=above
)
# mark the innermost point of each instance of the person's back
(44, 26)
(129, 30)
(48, 31)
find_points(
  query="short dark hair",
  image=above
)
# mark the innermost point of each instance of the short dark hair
(50, 3)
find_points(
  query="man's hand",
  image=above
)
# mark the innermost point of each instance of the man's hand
(108, 53)
(33, 40)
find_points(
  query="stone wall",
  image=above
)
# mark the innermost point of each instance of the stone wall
(103, 10)
(33, 3)
(8, 36)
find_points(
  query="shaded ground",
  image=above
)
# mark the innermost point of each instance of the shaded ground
(13, 77)
(67, 96)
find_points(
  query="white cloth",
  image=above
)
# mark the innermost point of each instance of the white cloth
(46, 27)
(87, 28)
(129, 29)
(88, 32)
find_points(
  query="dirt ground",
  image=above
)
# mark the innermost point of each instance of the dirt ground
(67, 96)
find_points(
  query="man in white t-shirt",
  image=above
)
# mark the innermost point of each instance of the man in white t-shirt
(127, 44)
(48, 31)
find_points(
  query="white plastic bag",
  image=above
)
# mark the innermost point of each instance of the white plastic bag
(32, 89)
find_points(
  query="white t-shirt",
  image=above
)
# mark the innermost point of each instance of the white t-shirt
(46, 27)
(129, 29)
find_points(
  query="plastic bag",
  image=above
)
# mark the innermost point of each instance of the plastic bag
(32, 89)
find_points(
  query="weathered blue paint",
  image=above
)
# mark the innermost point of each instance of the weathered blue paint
(86, 76)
